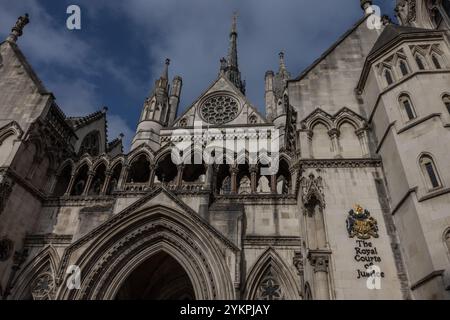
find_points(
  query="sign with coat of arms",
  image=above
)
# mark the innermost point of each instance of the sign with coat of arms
(361, 224)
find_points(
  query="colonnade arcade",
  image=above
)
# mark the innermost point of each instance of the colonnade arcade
(142, 171)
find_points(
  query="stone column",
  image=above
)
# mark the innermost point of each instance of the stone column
(106, 182)
(253, 182)
(91, 175)
(234, 171)
(273, 183)
(309, 137)
(209, 176)
(319, 260)
(70, 186)
(151, 180)
(362, 136)
(334, 135)
(298, 264)
(123, 176)
(179, 180)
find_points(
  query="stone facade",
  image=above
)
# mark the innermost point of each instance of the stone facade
(358, 208)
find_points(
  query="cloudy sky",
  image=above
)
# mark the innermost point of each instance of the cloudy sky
(119, 51)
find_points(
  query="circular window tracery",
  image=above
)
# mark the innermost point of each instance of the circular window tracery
(219, 109)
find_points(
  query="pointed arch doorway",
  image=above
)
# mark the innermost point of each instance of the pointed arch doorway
(160, 277)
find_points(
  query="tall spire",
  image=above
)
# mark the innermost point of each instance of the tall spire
(232, 51)
(231, 69)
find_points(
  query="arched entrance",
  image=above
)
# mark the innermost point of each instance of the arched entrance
(160, 277)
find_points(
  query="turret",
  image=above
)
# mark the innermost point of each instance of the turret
(155, 113)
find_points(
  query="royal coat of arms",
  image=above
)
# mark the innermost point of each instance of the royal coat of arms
(361, 224)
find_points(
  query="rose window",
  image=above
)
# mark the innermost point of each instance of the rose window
(219, 109)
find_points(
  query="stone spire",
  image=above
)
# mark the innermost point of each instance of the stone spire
(17, 30)
(232, 67)
(284, 74)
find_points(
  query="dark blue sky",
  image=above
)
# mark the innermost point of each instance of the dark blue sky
(119, 52)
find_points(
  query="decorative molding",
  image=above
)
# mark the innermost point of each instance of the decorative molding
(340, 163)
(319, 260)
(298, 262)
(312, 189)
(428, 277)
(40, 240)
(253, 240)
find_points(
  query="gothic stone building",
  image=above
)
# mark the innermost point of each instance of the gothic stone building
(359, 207)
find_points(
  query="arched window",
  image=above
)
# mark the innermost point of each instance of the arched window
(407, 107)
(80, 181)
(98, 180)
(446, 7)
(436, 62)
(90, 144)
(388, 77)
(430, 173)
(403, 67)
(446, 100)
(114, 181)
(438, 10)
(420, 63)
(139, 170)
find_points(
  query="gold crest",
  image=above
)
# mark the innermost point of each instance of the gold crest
(361, 224)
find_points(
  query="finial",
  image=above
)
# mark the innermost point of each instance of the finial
(165, 74)
(121, 135)
(104, 109)
(282, 64)
(365, 4)
(17, 30)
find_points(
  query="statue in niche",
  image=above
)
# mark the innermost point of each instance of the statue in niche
(245, 186)
(226, 186)
(263, 185)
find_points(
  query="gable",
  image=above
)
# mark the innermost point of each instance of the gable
(23, 98)
(329, 83)
(222, 104)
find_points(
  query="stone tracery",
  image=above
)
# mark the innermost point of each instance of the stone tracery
(220, 109)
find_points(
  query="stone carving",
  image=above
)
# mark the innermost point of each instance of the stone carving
(298, 262)
(312, 192)
(6, 248)
(43, 286)
(406, 11)
(269, 288)
(361, 224)
(245, 186)
(319, 261)
(263, 185)
(219, 109)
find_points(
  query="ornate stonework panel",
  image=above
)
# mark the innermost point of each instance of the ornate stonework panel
(219, 109)
(43, 287)
(269, 288)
